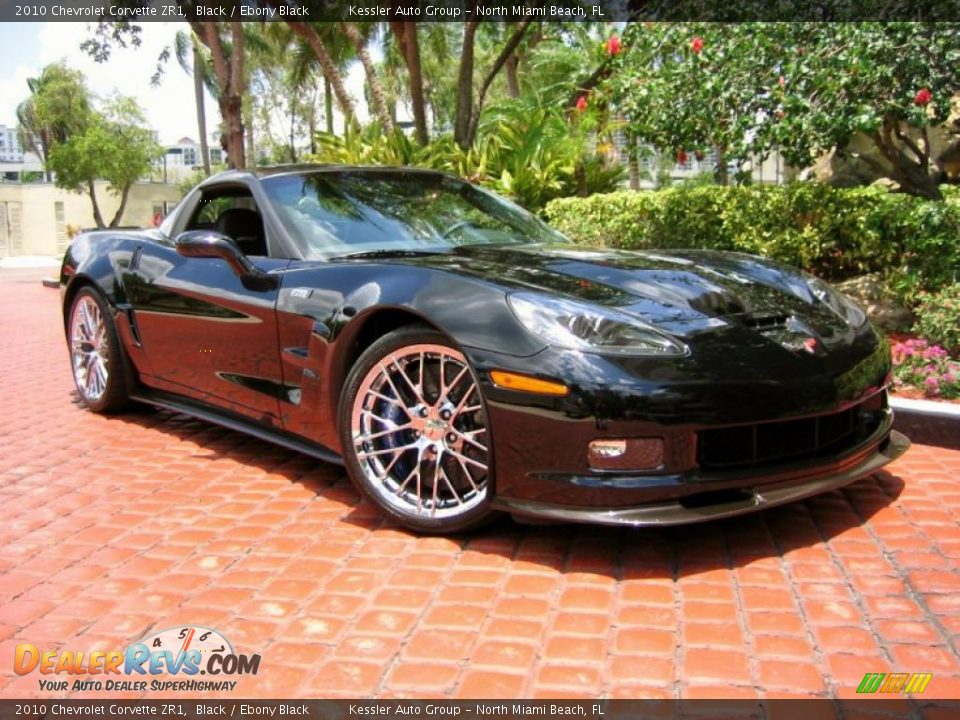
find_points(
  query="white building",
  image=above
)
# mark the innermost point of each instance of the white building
(184, 157)
(14, 160)
(10, 148)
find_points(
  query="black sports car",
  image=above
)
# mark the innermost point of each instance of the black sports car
(460, 358)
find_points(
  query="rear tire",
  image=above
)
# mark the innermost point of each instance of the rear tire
(413, 427)
(96, 355)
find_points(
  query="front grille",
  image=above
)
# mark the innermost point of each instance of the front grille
(772, 443)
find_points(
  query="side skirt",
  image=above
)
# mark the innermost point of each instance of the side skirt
(232, 422)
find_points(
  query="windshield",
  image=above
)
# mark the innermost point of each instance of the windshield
(333, 214)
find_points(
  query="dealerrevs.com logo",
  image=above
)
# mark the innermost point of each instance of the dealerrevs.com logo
(182, 651)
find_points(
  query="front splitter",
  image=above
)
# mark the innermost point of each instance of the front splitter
(674, 513)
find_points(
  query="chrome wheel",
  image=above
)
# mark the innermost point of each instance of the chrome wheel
(419, 433)
(89, 349)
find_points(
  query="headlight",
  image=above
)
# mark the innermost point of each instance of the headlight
(836, 301)
(590, 328)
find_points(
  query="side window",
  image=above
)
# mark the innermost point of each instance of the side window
(232, 212)
(212, 207)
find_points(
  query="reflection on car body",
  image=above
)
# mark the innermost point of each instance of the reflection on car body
(461, 358)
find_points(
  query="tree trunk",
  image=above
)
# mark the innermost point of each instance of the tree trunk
(406, 34)
(461, 123)
(329, 68)
(97, 216)
(513, 81)
(292, 134)
(251, 146)
(505, 53)
(912, 173)
(723, 175)
(633, 162)
(123, 206)
(201, 110)
(231, 78)
(312, 122)
(231, 108)
(373, 79)
(328, 104)
(45, 144)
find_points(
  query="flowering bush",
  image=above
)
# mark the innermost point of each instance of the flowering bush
(938, 317)
(928, 368)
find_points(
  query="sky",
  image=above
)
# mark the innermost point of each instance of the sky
(169, 108)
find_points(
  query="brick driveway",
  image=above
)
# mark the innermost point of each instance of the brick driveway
(113, 528)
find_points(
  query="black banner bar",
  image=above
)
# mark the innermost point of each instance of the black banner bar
(186, 709)
(139, 11)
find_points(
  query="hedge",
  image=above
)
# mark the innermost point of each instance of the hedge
(834, 233)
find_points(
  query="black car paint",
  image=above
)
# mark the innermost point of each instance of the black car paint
(276, 354)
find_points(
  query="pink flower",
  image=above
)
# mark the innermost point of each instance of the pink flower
(923, 97)
(696, 45)
(613, 46)
(781, 81)
(582, 103)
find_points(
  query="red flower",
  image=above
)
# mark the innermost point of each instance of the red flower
(682, 157)
(780, 114)
(613, 46)
(696, 45)
(582, 103)
(922, 97)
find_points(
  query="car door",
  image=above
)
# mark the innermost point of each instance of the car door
(208, 333)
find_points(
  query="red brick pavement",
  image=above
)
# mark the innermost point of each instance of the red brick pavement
(113, 528)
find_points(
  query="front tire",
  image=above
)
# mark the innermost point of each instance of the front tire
(413, 427)
(96, 355)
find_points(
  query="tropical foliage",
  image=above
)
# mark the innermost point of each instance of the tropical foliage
(805, 88)
(532, 158)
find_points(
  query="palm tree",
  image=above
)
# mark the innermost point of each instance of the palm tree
(307, 65)
(65, 100)
(408, 43)
(322, 39)
(189, 44)
(378, 96)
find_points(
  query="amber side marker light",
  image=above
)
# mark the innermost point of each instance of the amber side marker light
(525, 383)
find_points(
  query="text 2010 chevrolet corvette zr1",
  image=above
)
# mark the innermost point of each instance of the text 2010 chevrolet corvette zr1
(460, 357)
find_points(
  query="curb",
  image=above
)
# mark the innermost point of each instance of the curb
(928, 408)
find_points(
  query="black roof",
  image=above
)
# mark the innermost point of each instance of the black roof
(303, 168)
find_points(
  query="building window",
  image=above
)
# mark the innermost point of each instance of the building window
(61, 218)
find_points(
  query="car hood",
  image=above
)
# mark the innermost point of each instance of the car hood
(683, 291)
(724, 306)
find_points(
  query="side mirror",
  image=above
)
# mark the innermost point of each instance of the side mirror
(211, 244)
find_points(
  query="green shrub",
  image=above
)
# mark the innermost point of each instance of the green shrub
(835, 233)
(938, 318)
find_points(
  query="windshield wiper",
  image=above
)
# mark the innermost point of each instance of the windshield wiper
(389, 253)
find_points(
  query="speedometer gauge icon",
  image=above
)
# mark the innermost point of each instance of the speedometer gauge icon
(183, 639)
